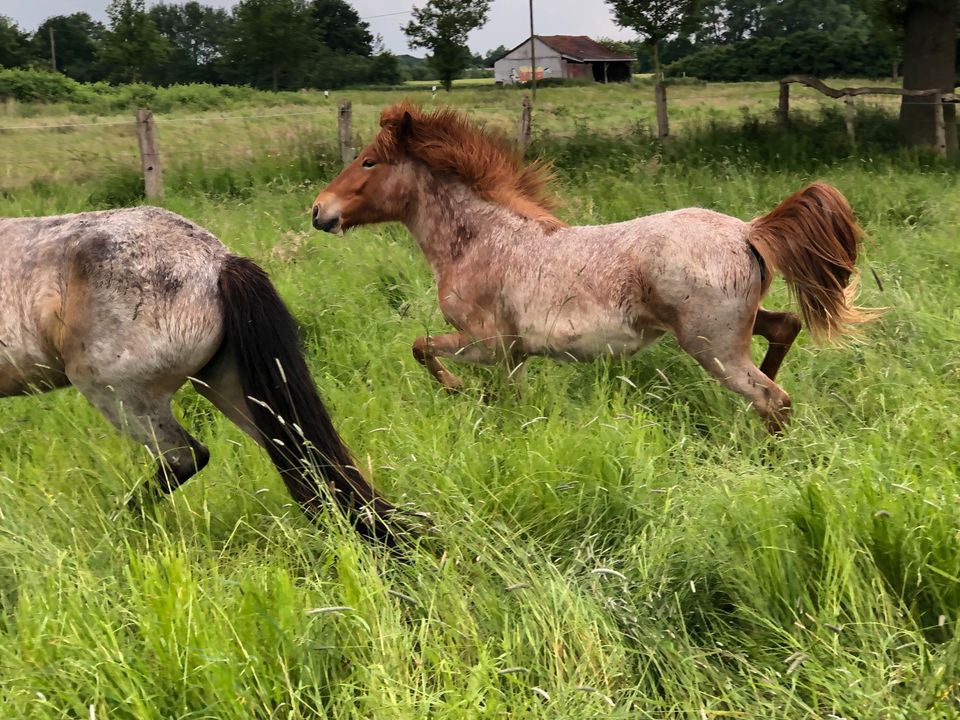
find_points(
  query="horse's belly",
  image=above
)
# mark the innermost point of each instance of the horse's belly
(582, 338)
(23, 363)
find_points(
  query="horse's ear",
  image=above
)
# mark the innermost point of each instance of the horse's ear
(405, 127)
(398, 123)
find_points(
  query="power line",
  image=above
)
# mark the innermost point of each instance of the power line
(392, 14)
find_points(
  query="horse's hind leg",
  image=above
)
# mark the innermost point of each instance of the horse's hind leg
(728, 360)
(219, 382)
(145, 415)
(780, 330)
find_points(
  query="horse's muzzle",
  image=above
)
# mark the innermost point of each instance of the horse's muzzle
(327, 223)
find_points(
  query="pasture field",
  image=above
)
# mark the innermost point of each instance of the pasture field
(615, 540)
(67, 143)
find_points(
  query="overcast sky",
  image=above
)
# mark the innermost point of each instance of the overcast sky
(507, 25)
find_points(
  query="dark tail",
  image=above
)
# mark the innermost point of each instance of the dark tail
(813, 238)
(285, 406)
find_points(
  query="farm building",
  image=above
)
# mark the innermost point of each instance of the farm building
(573, 57)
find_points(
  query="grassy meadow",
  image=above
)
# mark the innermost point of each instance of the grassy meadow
(69, 143)
(614, 540)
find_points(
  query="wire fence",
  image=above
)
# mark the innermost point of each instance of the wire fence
(80, 150)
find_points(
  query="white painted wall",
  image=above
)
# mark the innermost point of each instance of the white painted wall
(507, 69)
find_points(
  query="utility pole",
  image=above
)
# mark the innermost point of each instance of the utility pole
(533, 56)
(53, 50)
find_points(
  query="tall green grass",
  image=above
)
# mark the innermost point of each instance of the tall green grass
(618, 539)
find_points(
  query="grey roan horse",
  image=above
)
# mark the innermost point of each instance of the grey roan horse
(516, 282)
(126, 305)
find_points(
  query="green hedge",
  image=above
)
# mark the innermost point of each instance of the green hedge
(37, 86)
(846, 52)
(33, 86)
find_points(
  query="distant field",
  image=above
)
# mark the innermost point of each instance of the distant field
(621, 540)
(462, 82)
(52, 144)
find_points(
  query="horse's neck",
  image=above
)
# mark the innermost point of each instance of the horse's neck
(450, 219)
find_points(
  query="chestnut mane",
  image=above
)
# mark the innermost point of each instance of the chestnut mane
(447, 142)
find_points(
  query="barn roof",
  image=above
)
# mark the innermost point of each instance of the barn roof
(581, 47)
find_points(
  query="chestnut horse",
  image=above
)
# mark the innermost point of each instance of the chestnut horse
(517, 282)
(126, 305)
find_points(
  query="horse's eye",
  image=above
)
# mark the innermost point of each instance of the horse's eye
(368, 163)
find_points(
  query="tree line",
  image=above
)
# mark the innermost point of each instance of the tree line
(268, 44)
(754, 34)
(736, 40)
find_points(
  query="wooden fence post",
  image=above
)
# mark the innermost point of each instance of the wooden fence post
(663, 121)
(345, 129)
(940, 127)
(783, 107)
(849, 118)
(149, 156)
(526, 119)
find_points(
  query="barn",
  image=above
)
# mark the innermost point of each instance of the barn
(572, 57)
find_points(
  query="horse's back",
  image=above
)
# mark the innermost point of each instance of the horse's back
(138, 234)
(689, 247)
(132, 286)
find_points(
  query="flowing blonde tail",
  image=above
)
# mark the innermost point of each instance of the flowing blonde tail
(813, 238)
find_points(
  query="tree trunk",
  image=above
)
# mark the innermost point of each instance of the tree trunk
(929, 53)
(660, 94)
(663, 122)
(657, 73)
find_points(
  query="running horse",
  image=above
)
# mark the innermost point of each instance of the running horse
(126, 305)
(516, 282)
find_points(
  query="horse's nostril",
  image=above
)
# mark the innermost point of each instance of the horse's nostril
(327, 225)
(316, 211)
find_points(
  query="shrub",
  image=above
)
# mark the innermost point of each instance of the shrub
(847, 52)
(37, 85)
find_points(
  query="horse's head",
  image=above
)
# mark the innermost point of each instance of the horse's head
(376, 187)
(391, 177)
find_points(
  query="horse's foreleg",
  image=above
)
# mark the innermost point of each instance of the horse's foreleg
(457, 346)
(780, 330)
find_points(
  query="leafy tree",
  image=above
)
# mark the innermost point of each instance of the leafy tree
(493, 55)
(339, 27)
(385, 69)
(712, 24)
(75, 41)
(442, 26)
(414, 68)
(273, 43)
(619, 46)
(132, 49)
(849, 50)
(742, 18)
(779, 18)
(197, 35)
(654, 21)
(14, 50)
(929, 32)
